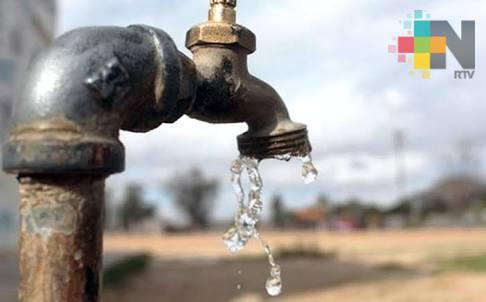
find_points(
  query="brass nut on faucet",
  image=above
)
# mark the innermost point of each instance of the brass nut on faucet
(221, 33)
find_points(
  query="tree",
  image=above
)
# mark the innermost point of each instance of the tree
(323, 201)
(278, 212)
(134, 209)
(194, 194)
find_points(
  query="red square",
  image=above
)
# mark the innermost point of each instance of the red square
(405, 44)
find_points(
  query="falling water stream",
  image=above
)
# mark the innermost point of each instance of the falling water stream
(249, 213)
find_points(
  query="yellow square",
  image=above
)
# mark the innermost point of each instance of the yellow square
(438, 44)
(421, 61)
(426, 74)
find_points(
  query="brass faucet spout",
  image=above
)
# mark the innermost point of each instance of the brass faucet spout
(227, 93)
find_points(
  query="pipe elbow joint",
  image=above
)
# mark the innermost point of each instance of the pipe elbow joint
(90, 84)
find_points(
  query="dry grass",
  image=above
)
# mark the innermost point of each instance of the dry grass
(406, 247)
(438, 288)
(358, 254)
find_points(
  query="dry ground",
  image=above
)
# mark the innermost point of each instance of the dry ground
(397, 246)
(198, 268)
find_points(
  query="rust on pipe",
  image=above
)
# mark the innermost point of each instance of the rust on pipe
(61, 238)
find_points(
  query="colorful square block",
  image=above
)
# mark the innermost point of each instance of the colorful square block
(402, 58)
(421, 28)
(438, 61)
(422, 45)
(421, 61)
(405, 44)
(438, 44)
(418, 14)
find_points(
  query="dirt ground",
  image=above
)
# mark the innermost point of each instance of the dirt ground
(371, 266)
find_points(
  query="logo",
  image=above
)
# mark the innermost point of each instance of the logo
(424, 45)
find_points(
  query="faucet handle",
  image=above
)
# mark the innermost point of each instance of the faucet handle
(223, 11)
(231, 3)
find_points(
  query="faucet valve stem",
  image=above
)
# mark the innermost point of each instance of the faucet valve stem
(223, 11)
(231, 3)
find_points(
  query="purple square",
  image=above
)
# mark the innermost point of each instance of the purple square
(392, 48)
(402, 58)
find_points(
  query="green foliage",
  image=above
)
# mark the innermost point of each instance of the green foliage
(391, 267)
(278, 212)
(304, 251)
(120, 271)
(194, 194)
(134, 208)
(467, 263)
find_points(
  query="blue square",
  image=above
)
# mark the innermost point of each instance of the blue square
(422, 28)
(419, 14)
(407, 24)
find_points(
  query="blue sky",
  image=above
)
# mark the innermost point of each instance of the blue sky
(329, 62)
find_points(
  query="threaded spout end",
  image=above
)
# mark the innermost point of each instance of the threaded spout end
(295, 143)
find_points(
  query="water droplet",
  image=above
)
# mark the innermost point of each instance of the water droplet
(233, 240)
(237, 166)
(275, 271)
(274, 286)
(309, 172)
(246, 225)
(236, 169)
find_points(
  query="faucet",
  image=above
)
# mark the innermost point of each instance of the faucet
(92, 83)
(228, 93)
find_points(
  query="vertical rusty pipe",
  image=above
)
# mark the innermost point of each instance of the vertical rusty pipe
(79, 93)
(61, 238)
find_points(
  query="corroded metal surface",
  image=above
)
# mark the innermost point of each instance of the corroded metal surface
(290, 143)
(221, 29)
(221, 33)
(88, 85)
(61, 239)
(92, 83)
(228, 93)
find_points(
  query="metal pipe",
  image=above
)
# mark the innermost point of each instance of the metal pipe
(80, 92)
(61, 238)
(228, 93)
(94, 82)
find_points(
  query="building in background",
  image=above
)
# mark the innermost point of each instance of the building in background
(26, 26)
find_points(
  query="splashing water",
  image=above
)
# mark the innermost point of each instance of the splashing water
(309, 172)
(249, 214)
